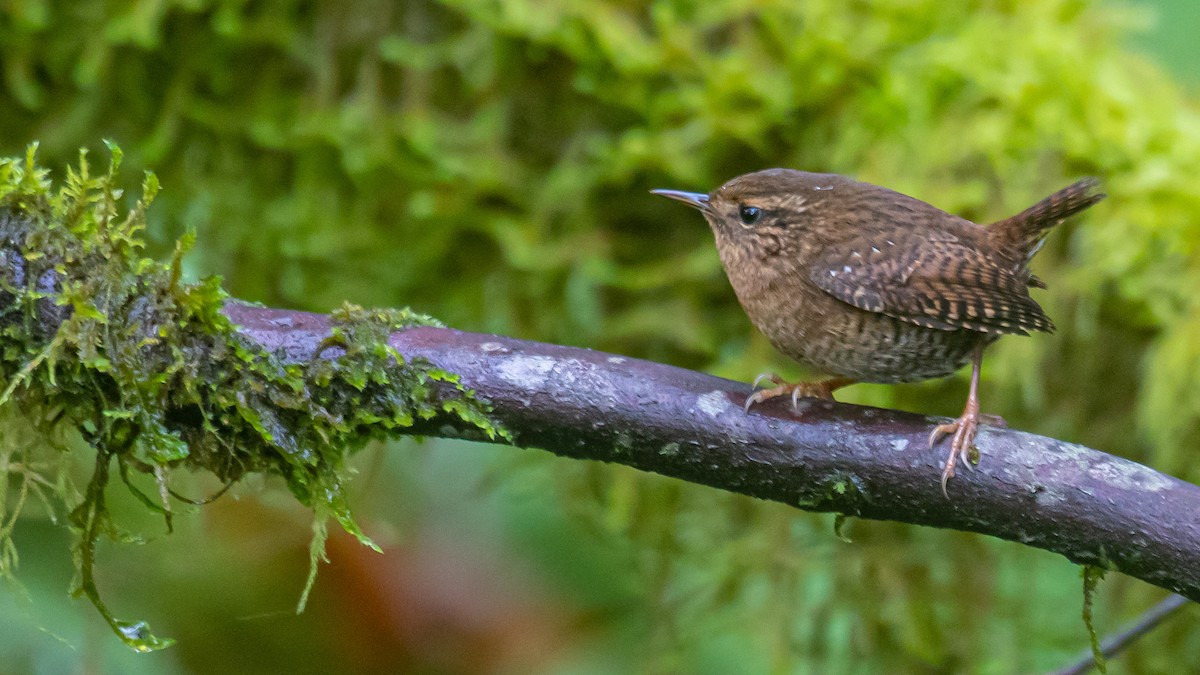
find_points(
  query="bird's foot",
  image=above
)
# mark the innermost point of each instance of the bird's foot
(964, 428)
(822, 389)
(962, 442)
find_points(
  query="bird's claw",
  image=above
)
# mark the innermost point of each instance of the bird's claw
(964, 430)
(761, 395)
(822, 389)
(766, 376)
(752, 399)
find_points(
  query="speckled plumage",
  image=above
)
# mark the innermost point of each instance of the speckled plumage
(875, 286)
(867, 283)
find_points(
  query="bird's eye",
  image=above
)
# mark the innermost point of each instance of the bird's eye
(749, 214)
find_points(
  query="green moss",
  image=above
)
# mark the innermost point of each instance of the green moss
(1092, 576)
(105, 347)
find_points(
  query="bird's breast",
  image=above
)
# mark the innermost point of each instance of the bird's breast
(809, 325)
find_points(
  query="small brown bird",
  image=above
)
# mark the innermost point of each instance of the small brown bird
(871, 285)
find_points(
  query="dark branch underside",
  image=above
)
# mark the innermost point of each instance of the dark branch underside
(1088, 506)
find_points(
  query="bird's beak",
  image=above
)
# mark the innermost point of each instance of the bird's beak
(697, 200)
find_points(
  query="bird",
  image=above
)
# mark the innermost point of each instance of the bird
(866, 284)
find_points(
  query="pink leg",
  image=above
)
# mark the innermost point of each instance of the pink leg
(964, 428)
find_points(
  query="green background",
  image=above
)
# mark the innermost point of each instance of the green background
(487, 162)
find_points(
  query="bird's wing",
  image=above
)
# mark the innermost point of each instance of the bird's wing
(935, 281)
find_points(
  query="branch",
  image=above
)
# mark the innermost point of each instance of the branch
(1090, 507)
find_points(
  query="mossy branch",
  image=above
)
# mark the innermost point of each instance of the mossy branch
(102, 347)
(1093, 508)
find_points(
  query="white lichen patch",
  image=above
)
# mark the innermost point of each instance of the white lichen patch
(1074, 452)
(527, 372)
(713, 403)
(1049, 496)
(1031, 462)
(491, 347)
(900, 444)
(617, 359)
(1127, 475)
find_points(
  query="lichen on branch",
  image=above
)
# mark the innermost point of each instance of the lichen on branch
(104, 347)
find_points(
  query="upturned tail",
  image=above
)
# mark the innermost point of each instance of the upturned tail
(1022, 234)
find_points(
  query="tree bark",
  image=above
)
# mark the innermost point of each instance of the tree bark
(1091, 507)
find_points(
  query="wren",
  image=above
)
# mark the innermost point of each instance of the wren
(870, 285)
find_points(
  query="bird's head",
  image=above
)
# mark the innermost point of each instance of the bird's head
(767, 213)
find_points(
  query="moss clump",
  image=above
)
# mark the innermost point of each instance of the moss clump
(102, 346)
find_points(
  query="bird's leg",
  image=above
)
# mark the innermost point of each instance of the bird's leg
(963, 428)
(819, 389)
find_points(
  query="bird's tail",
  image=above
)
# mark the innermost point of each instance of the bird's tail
(1022, 234)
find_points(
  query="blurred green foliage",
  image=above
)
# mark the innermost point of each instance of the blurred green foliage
(487, 162)
(1171, 38)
